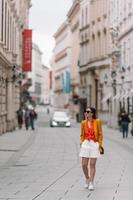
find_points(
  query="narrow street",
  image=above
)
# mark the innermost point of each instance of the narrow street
(44, 165)
(72, 59)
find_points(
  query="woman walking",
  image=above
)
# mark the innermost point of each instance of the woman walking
(91, 145)
(125, 120)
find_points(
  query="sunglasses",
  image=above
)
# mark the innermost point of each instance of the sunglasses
(88, 111)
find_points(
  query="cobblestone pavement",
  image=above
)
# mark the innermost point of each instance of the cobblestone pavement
(44, 165)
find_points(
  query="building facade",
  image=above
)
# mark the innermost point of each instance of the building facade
(122, 23)
(36, 74)
(84, 55)
(45, 92)
(73, 18)
(12, 25)
(61, 66)
(105, 56)
(95, 60)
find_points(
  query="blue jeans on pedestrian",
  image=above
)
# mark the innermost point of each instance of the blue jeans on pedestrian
(32, 123)
(124, 126)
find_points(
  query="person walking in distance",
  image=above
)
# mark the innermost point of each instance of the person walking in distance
(20, 117)
(27, 118)
(125, 120)
(91, 139)
(33, 117)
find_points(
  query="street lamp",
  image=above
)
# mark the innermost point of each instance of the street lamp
(113, 76)
(16, 74)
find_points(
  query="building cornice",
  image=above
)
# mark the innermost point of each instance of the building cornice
(102, 62)
(66, 67)
(61, 29)
(73, 10)
(126, 32)
(61, 55)
(84, 28)
(95, 60)
(75, 26)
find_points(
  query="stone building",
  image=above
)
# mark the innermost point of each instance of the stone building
(45, 91)
(122, 33)
(61, 65)
(12, 24)
(105, 56)
(84, 55)
(95, 51)
(36, 74)
(73, 18)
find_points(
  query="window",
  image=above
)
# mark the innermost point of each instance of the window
(2, 21)
(86, 17)
(5, 26)
(8, 32)
(82, 19)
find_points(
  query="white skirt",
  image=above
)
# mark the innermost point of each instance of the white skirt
(89, 149)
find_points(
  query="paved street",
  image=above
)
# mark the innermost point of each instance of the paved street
(44, 165)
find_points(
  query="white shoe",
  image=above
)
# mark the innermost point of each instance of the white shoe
(86, 184)
(91, 186)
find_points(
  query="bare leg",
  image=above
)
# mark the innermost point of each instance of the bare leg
(92, 168)
(85, 167)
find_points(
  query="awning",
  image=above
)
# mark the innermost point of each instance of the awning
(122, 96)
(108, 96)
(117, 96)
(131, 93)
(126, 95)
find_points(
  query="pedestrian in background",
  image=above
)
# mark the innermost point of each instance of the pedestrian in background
(33, 117)
(91, 144)
(124, 121)
(27, 118)
(20, 117)
(47, 110)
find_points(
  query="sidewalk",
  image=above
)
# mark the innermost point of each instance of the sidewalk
(116, 136)
(12, 142)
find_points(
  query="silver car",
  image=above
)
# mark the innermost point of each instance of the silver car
(60, 119)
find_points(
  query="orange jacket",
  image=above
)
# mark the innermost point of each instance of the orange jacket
(97, 131)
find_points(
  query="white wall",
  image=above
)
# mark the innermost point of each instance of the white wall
(36, 74)
(45, 92)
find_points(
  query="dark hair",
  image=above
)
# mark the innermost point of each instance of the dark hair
(93, 110)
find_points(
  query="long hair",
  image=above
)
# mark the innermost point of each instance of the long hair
(93, 110)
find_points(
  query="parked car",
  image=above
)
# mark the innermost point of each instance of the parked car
(60, 119)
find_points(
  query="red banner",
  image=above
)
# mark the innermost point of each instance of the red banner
(27, 50)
